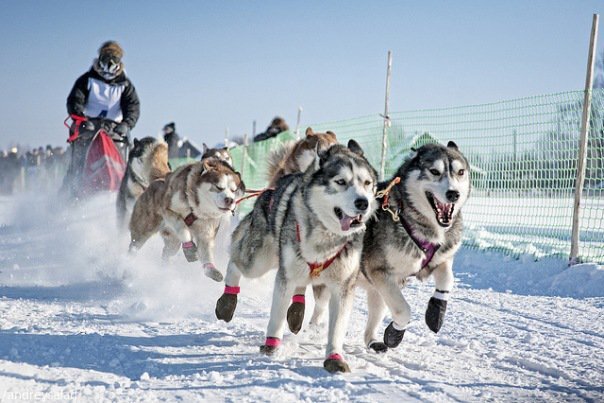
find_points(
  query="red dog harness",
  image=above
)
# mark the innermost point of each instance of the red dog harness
(317, 268)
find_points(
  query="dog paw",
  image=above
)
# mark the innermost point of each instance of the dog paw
(268, 350)
(190, 251)
(225, 307)
(435, 314)
(335, 363)
(392, 336)
(270, 346)
(212, 272)
(378, 346)
(295, 316)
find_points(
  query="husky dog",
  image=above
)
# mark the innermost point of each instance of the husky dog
(147, 161)
(220, 153)
(252, 232)
(317, 219)
(186, 208)
(294, 157)
(417, 233)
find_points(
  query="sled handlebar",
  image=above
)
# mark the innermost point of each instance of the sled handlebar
(99, 124)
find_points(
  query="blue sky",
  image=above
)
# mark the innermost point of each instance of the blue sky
(209, 65)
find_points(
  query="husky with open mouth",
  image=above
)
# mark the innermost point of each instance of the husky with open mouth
(253, 232)
(186, 209)
(416, 233)
(317, 219)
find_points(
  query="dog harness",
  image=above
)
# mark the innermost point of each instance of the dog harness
(427, 247)
(317, 268)
(251, 194)
(189, 219)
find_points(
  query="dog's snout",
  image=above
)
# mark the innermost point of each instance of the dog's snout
(228, 201)
(361, 203)
(452, 195)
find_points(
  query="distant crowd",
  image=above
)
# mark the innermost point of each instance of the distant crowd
(44, 167)
(21, 169)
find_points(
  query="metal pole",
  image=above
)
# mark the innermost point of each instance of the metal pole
(582, 157)
(253, 129)
(386, 118)
(298, 123)
(244, 153)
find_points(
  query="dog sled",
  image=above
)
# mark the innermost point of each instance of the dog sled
(98, 157)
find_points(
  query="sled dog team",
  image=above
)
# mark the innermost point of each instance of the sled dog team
(324, 221)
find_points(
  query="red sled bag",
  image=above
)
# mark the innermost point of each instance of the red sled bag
(104, 166)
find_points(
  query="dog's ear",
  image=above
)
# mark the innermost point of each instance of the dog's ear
(206, 164)
(241, 184)
(135, 142)
(205, 148)
(355, 147)
(313, 142)
(225, 149)
(451, 144)
(412, 154)
(332, 134)
(317, 162)
(309, 132)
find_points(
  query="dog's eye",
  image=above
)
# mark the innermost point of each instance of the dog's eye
(218, 188)
(367, 183)
(435, 172)
(340, 182)
(461, 172)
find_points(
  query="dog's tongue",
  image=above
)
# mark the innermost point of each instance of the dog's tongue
(346, 222)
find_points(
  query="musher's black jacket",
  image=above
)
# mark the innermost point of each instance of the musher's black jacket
(129, 102)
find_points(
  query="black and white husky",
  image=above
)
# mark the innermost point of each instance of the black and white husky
(312, 226)
(220, 153)
(147, 161)
(416, 233)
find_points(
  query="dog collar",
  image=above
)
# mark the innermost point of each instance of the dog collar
(190, 219)
(317, 268)
(427, 247)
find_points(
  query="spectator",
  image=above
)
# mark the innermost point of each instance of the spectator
(172, 138)
(277, 126)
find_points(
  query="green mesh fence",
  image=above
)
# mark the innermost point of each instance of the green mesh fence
(523, 155)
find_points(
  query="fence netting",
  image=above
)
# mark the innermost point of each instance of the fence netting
(523, 156)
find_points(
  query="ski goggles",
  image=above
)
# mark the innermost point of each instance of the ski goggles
(109, 64)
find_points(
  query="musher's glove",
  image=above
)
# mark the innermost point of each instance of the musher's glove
(121, 129)
(85, 125)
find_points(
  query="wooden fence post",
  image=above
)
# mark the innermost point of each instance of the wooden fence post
(582, 157)
(386, 118)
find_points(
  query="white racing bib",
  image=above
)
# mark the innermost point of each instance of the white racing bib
(104, 100)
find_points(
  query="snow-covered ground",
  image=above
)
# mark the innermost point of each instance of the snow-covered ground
(80, 320)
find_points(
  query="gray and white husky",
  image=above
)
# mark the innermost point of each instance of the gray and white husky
(312, 225)
(416, 233)
(290, 158)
